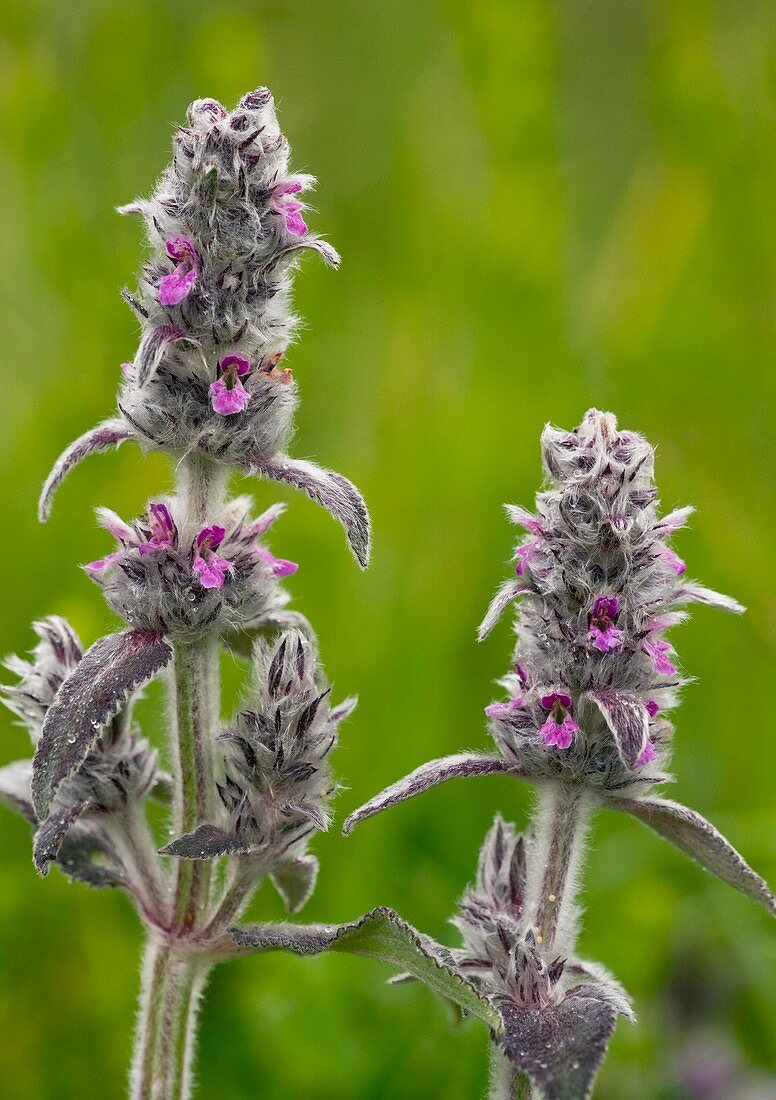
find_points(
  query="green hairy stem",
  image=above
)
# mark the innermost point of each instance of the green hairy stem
(174, 973)
(559, 828)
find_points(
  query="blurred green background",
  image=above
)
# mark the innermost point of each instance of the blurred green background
(541, 207)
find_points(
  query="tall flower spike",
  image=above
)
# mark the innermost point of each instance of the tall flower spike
(590, 683)
(214, 305)
(191, 577)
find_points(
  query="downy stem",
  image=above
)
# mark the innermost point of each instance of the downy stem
(164, 1044)
(506, 1081)
(173, 974)
(560, 827)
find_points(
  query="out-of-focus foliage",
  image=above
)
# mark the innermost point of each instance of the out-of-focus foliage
(541, 207)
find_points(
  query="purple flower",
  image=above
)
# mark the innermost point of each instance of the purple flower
(177, 285)
(523, 554)
(94, 568)
(163, 532)
(651, 707)
(646, 755)
(280, 566)
(657, 650)
(209, 567)
(603, 633)
(290, 210)
(670, 557)
(503, 710)
(227, 393)
(560, 727)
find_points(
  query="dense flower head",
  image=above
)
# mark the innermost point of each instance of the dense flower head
(502, 953)
(160, 582)
(226, 227)
(278, 784)
(275, 783)
(40, 676)
(598, 585)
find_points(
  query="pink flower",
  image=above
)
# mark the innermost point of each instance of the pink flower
(657, 650)
(290, 210)
(178, 284)
(503, 710)
(603, 633)
(560, 727)
(163, 532)
(523, 554)
(646, 755)
(94, 568)
(227, 393)
(209, 567)
(279, 566)
(670, 557)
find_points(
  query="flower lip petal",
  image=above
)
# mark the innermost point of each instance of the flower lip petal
(226, 401)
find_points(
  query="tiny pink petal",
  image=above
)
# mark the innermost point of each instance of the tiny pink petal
(94, 568)
(280, 566)
(210, 537)
(212, 571)
(237, 364)
(559, 734)
(605, 640)
(647, 755)
(672, 558)
(503, 710)
(658, 651)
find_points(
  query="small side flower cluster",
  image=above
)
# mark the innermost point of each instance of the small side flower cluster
(593, 676)
(219, 579)
(275, 782)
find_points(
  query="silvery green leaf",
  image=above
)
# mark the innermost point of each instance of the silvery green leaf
(86, 855)
(380, 934)
(52, 832)
(89, 698)
(610, 989)
(462, 765)
(628, 720)
(561, 1046)
(15, 782)
(698, 593)
(698, 838)
(152, 348)
(331, 490)
(161, 790)
(109, 434)
(205, 842)
(507, 593)
(295, 881)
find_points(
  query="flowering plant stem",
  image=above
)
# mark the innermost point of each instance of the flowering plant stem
(173, 974)
(560, 824)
